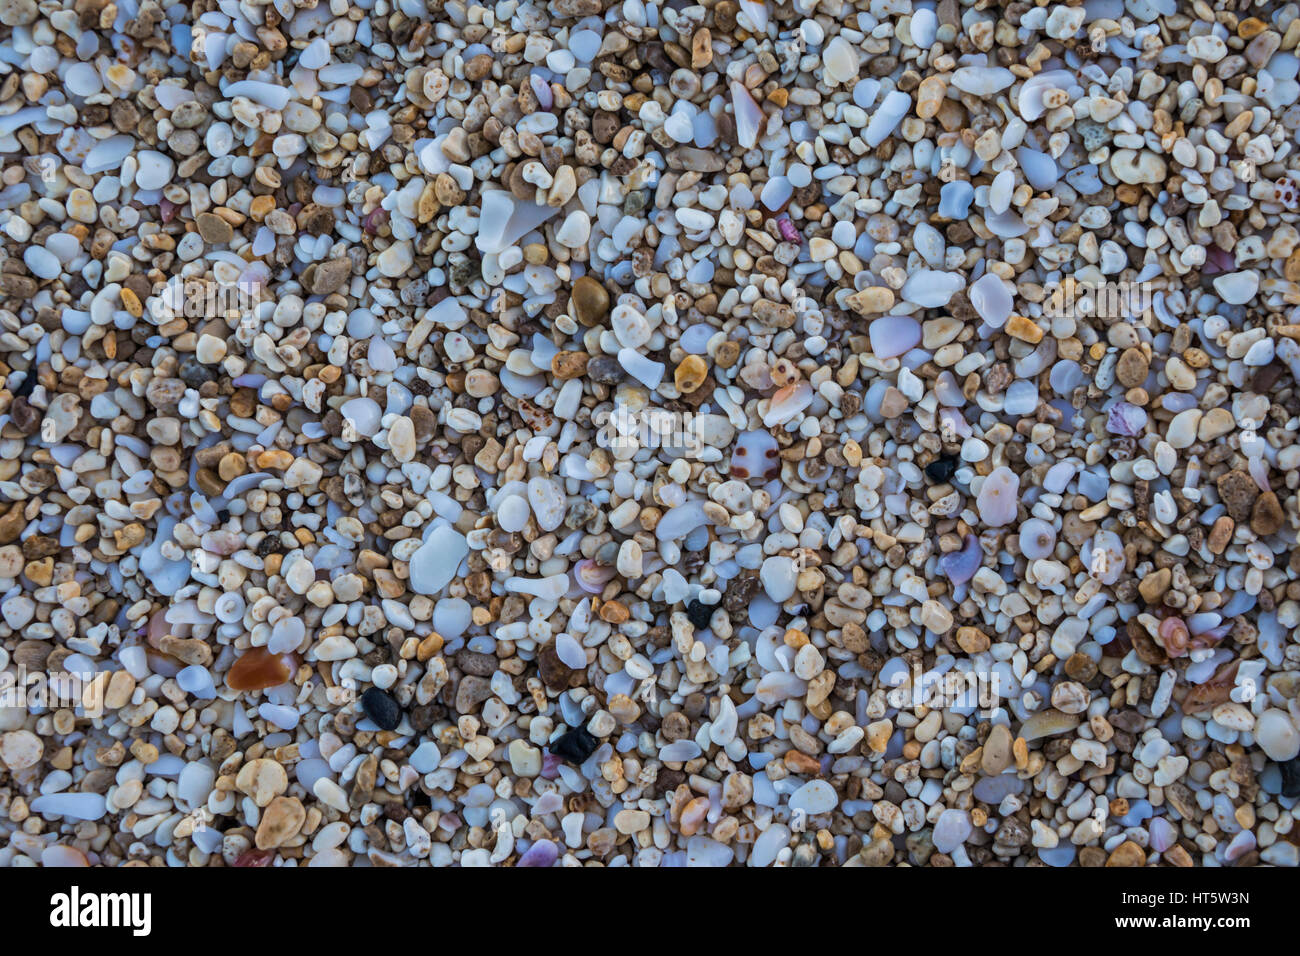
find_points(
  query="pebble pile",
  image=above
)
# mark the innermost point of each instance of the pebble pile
(983, 320)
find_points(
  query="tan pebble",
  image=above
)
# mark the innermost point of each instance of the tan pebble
(401, 439)
(1127, 853)
(280, 822)
(1154, 584)
(693, 816)
(930, 95)
(873, 300)
(997, 751)
(563, 187)
(1024, 329)
(480, 383)
(263, 780)
(893, 404)
(878, 734)
(232, 466)
(81, 206)
(1216, 423)
(1180, 375)
(20, 749)
(120, 688)
(629, 822)
(701, 49)
(1250, 28)
(131, 302)
(972, 640)
(690, 374)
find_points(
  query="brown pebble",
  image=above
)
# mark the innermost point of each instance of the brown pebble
(567, 365)
(326, 277)
(1132, 368)
(1080, 667)
(12, 523)
(214, 230)
(1267, 515)
(1221, 534)
(1238, 491)
(589, 302)
(478, 67)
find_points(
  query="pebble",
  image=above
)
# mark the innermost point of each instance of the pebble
(435, 563)
(1277, 735)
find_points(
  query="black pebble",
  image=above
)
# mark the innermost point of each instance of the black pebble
(575, 746)
(25, 387)
(195, 374)
(1290, 777)
(941, 469)
(381, 708)
(700, 614)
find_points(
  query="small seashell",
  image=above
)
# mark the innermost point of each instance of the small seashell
(593, 577)
(1173, 636)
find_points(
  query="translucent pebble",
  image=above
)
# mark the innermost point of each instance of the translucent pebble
(951, 830)
(1021, 398)
(893, 335)
(961, 565)
(955, 199)
(451, 617)
(196, 680)
(998, 497)
(1037, 538)
(925, 26)
(865, 92)
(1064, 377)
(990, 298)
(1060, 855)
(931, 288)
